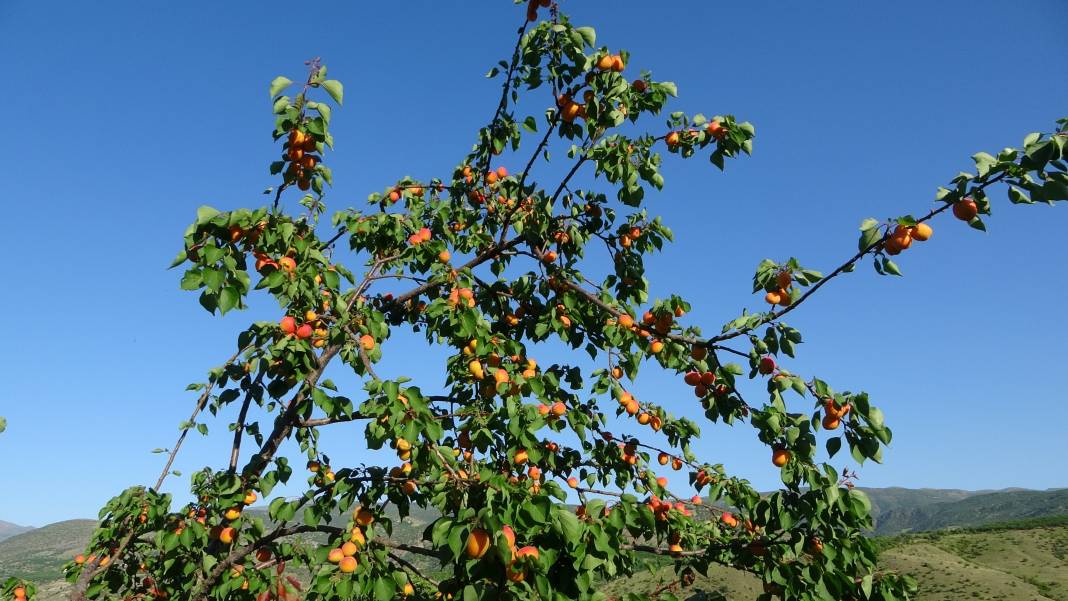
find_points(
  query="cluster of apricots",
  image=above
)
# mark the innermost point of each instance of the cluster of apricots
(313, 328)
(902, 236)
(634, 409)
(480, 540)
(552, 412)
(664, 459)
(781, 295)
(265, 264)
(298, 153)
(404, 453)
(651, 324)
(323, 473)
(628, 235)
(833, 414)
(569, 109)
(702, 382)
(465, 296)
(715, 129)
(611, 62)
(345, 556)
(237, 233)
(423, 235)
(225, 534)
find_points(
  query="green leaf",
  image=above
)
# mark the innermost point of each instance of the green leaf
(335, 89)
(869, 237)
(384, 588)
(530, 124)
(228, 299)
(589, 36)
(890, 267)
(833, 446)
(3, 424)
(278, 84)
(205, 213)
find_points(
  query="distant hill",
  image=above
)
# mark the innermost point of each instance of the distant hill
(39, 554)
(7, 529)
(969, 510)
(1015, 562)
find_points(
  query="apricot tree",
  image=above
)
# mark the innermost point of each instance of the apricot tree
(492, 264)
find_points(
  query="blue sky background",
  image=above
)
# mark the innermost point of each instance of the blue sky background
(123, 117)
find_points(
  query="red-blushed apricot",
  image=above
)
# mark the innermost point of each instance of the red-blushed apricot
(780, 457)
(965, 209)
(766, 365)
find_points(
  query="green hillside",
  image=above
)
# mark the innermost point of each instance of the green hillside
(39, 554)
(972, 510)
(7, 529)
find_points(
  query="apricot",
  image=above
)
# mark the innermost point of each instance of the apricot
(288, 325)
(965, 209)
(831, 422)
(520, 457)
(692, 378)
(527, 551)
(766, 365)
(632, 407)
(606, 62)
(287, 264)
(227, 535)
(780, 457)
(663, 458)
(304, 331)
(921, 232)
(716, 130)
(367, 342)
(559, 409)
(626, 321)
(672, 138)
(347, 565)
(363, 517)
(639, 85)
(698, 353)
(348, 549)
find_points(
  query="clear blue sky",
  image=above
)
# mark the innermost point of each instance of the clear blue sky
(123, 117)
